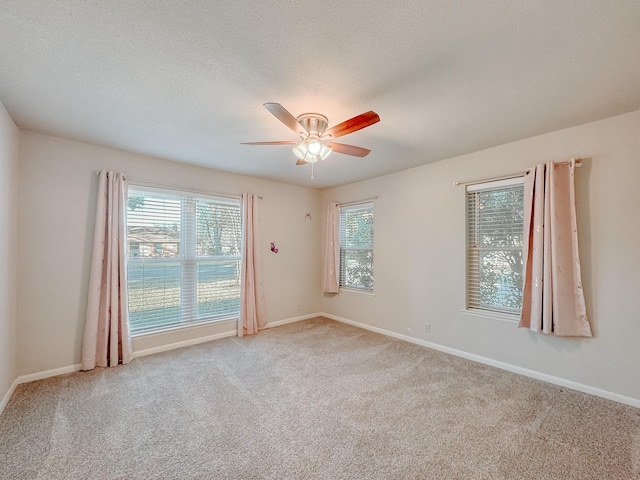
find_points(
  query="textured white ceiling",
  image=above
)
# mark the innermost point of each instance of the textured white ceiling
(186, 80)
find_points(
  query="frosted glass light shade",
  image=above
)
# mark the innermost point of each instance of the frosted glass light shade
(325, 151)
(300, 150)
(310, 158)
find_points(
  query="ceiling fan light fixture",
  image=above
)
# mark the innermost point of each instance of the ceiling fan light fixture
(311, 150)
(312, 128)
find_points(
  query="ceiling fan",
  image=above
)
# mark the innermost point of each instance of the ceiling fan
(315, 140)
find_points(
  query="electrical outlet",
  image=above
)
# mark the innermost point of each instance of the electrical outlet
(427, 327)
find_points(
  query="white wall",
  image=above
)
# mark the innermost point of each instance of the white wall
(9, 141)
(419, 255)
(58, 187)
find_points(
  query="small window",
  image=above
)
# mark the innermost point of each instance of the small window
(494, 246)
(356, 246)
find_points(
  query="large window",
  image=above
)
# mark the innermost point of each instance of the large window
(494, 246)
(183, 260)
(356, 246)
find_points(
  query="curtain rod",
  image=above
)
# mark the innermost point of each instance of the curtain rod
(138, 181)
(511, 175)
(356, 202)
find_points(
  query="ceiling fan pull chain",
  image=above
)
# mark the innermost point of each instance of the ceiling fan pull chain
(312, 178)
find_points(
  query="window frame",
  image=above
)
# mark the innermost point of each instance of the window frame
(475, 307)
(187, 256)
(364, 205)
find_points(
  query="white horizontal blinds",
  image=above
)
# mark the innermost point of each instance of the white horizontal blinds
(218, 247)
(494, 246)
(154, 266)
(174, 275)
(356, 246)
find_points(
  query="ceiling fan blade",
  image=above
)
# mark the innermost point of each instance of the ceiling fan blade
(348, 149)
(283, 142)
(353, 124)
(301, 162)
(285, 117)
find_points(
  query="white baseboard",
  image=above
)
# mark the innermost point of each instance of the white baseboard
(185, 343)
(7, 395)
(277, 323)
(616, 397)
(48, 373)
(230, 333)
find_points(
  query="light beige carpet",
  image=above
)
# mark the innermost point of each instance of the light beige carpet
(318, 400)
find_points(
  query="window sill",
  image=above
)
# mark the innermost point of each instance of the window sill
(501, 317)
(181, 327)
(355, 291)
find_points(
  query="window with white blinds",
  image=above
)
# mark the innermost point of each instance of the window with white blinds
(356, 246)
(183, 258)
(494, 245)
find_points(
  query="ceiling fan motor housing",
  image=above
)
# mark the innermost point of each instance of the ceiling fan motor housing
(313, 122)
